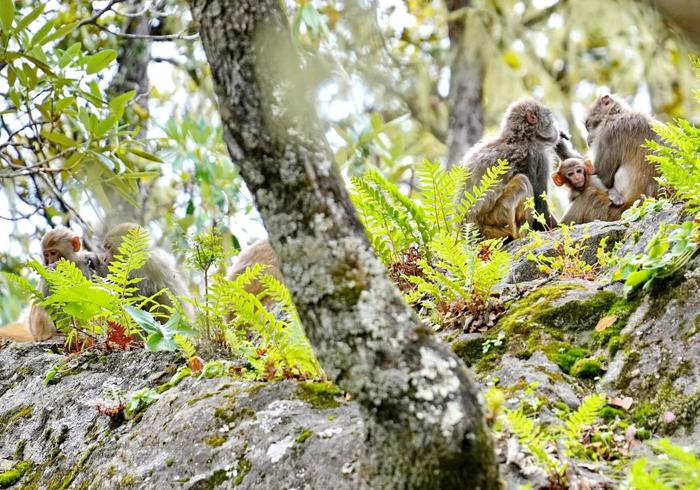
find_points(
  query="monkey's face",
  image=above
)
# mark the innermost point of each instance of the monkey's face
(52, 255)
(576, 177)
(547, 131)
(603, 108)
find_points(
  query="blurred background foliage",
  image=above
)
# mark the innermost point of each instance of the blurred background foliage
(108, 113)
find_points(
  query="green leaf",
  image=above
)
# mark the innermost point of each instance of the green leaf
(105, 125)
(41, 33)
(29, 18)
(58, 138)
(638, 277)
(7, 13)
(99, 61)
(61, 32)
(143, 154)
(118, 103)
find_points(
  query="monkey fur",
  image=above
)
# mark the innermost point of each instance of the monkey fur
(528, 133)
(159, 272)
(616, 134)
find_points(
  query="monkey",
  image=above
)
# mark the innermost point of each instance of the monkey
(616, 134)
(589, 198)
(157, 273)
(528, 133)
(61, 242)
(260, 252)
(34, 322)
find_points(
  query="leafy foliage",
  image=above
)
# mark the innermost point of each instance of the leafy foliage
(677, 157)
(673, 468)
(435, 258)
(568, 259)
(665, 254)
(542, 442)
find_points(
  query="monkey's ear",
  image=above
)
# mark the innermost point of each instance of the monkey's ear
(558, 179)
(588, 166)
(606, 99)
(75, 243)
(532, 117)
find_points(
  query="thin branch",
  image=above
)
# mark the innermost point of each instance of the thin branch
(99, 13)
(164, 37)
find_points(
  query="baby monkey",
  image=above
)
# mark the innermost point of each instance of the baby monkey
(589, 199)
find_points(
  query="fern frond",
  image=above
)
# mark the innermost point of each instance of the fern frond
(186, 345)
(132, 255)
(584, 416)
(488, 182)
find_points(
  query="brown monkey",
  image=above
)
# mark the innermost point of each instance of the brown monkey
(589, 198)
(34, 322)
(616, 134)
(59, 243)
(159, 272)
(528, 133)
(260, 252)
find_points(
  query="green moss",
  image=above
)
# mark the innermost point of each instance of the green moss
(215, 480)
(231, 412)
(304, 435)
(587, 368)
(255, 388)
(622, 309)
(169, 462)
(196, 399)
(469, 350)
(127, 481)
(566, 356)
(19, 450)
(215, 441)
(609, 414)
(10, 477)
(244, 467)
(79, 466)
(19, 413)
(579, 316)
(320, 395)
(540, 322)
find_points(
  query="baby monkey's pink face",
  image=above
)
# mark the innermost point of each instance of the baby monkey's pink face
(577, 177)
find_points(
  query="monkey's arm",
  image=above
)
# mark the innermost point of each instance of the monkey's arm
(564, 149)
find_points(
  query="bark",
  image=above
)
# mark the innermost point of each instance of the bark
(425, 425)
(466, 119)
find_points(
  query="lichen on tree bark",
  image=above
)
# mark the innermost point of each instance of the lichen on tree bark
(425, 424)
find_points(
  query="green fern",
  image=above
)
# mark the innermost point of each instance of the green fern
(186, 345)
(132, 255)
(535, 440)
(461, 269)
(584, 416)
(674, 468)
(490, 180)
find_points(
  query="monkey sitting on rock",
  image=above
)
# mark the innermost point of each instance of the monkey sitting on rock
(528, 136)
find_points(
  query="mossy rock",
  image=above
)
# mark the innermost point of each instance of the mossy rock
(548, 319)
(587, 368)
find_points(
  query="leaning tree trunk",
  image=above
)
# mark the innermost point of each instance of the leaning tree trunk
(466, 118)
(425, 424)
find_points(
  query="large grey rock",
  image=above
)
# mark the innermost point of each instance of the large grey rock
(659, 362)
(200, 434)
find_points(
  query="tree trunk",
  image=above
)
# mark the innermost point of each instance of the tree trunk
(466, 119)
(132, 74)
(425, 424)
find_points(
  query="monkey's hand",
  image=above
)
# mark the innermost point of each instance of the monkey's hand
(563, 148)
(615, 197)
